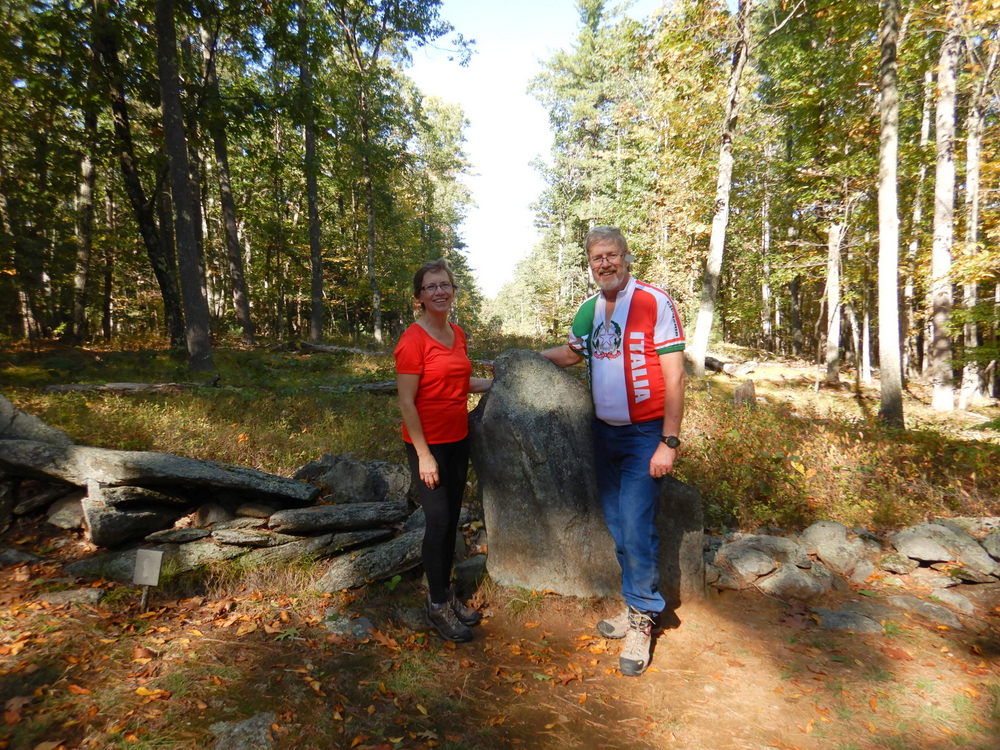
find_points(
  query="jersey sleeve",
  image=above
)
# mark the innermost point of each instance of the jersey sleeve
(580, 329)
(668, 335)
(409, 354)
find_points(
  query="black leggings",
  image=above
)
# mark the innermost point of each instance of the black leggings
(442, 506)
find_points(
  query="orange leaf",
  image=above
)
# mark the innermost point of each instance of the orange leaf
(384, 640)
(77, 690)
(531, 624)
(896, 653)
(873, 702)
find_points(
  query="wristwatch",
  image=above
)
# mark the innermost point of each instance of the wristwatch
(671, 441)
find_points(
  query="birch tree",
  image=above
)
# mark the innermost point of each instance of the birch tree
(940, 297)
(890, 363)
(974, 386)
(717, 242)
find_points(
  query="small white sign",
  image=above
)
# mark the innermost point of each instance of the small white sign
(147, 567)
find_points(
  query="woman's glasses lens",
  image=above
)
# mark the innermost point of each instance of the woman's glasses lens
(446, 287)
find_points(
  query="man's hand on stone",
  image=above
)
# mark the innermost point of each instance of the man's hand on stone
(662, 462)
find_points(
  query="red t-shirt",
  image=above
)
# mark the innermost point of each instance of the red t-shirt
(442, 395)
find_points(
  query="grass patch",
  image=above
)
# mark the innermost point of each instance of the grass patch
(413, 674)
(523, 604)
(803, 456)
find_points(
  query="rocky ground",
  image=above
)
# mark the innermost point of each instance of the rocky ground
(256, 661)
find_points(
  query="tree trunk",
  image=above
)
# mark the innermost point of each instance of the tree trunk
(833, 310)
(106, 49)
(795, 315)
(940, 353)
(889, 354)
(913, 352)
(25, 247)
(713, 264)
(311, 168)
(85, 219)
(188, 253)
(220, 145)
(974, 387)
(767, 332)
(108, 260)
(370, 211)
(866, 346)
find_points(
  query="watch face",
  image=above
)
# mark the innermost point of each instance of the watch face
(672, 441)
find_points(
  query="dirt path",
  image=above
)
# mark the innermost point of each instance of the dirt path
(740, 671)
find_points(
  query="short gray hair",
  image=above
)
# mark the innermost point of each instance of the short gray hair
(605, 234)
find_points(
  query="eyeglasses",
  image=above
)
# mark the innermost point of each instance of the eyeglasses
(445, 287)
(598, 260)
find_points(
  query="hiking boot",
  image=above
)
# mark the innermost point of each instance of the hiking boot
(446, 623)
(634, 657)
(466, 615)
(614, 627)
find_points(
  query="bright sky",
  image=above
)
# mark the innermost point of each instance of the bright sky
(507, 127)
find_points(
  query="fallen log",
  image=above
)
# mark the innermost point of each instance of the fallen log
(125, 388)
(384, 386)
(324, 349)
(345, 517)
(78, 464)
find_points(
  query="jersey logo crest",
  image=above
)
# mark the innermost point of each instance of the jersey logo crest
(607, 340)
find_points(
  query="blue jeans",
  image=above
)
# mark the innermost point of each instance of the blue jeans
(629, 498)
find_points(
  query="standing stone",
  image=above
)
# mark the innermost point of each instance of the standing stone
(16, 425)
(532, 451)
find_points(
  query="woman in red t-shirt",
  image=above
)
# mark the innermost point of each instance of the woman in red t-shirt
(433, 377)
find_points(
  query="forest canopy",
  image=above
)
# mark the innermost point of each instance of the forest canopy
(803, 177)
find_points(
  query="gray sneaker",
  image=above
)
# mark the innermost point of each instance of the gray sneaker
(634, 657)
(465, 614)
(614, 627)
(446, 623)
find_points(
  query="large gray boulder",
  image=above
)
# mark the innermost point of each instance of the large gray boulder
(110, 526)
(345, 479)
(935, 542)
(78, 464)
(16, 425)
(532, 451)
(373, 563)
(828, 540)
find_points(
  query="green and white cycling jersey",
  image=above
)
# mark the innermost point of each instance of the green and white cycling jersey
(623, 352)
